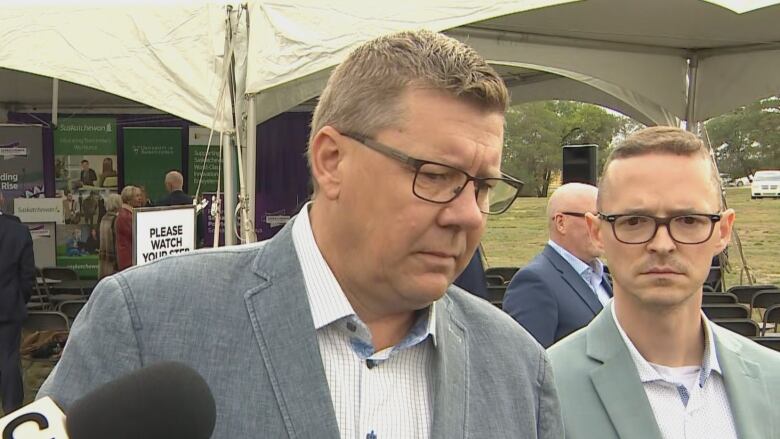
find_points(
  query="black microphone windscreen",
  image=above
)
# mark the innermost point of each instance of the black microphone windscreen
(165, 400)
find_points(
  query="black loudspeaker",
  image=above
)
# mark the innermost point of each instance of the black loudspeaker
(580, 164)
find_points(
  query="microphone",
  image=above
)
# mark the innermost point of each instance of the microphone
(166, 400)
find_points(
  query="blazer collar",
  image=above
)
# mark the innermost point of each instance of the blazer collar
(617, 382)
(284, 331)
(571, 277)
(748, 396)
(449, 374)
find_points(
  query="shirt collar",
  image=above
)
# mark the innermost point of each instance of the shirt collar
(647, 373)
(327, 300)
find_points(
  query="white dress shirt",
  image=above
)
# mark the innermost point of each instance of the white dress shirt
(592, 274)
(688, 402)
(376, 394)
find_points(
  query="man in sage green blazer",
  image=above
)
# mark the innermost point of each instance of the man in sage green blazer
(652, 366)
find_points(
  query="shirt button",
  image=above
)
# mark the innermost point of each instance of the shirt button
(351, 326)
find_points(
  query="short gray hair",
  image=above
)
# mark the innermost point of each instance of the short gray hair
(128, 193)
(112, 202)
(364, 92)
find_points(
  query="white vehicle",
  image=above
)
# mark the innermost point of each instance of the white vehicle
(765, 184)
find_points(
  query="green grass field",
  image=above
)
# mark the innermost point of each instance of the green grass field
(514, 238)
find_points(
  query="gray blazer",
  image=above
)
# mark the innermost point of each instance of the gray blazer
(603, 397)
(240, 316)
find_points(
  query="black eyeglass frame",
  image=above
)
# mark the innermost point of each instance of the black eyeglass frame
(577, 214)
(666, 222)
(479, 182)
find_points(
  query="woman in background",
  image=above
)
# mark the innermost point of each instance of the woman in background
(108, 171)
(132, 197)
(107, 254)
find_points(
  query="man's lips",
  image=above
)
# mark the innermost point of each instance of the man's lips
(661, 270)
(439, 254)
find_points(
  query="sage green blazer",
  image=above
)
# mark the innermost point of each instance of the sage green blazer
(602, 397)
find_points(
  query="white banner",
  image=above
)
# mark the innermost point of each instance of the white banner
(162, 231)
(39, 210)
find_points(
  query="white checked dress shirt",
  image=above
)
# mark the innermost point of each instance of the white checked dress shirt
(688, 402)
(592, 274)
(376, 395)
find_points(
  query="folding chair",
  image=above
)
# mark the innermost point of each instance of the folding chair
(745, 293)
(494, 280)
(496, 293)
(57, 296)
(713, 298)
(771, 315)
(726, 311)
(746, 327)
(506, 273)
(71, 308)
(764, 299)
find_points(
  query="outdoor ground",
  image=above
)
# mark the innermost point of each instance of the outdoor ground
(514, 238)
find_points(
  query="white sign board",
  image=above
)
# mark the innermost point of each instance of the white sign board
(39, 210)
(162, 231)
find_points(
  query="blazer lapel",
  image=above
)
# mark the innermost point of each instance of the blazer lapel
(748, 396)
(284, 330)
(617, 382)
(575, 281)
(449, 375)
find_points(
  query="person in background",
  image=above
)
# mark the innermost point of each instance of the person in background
(651, 365)
(107, 255)
(174, 183)
(3, 213)
(17, 280)
(132, 197)
(108, 171)
(345, 324)
(563, 287)
(92, 243)
(87, 176)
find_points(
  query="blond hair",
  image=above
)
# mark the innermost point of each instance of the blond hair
(363, 94)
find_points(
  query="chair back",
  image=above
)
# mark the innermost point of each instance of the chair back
(771, 315)
(506, 273)
(745, 293)
(712, 298)
(46, 321)
(496, 293)
(494, 280)
(745, 327)
(71, 308)
(765, 298)
(59, 273)
(726, 311)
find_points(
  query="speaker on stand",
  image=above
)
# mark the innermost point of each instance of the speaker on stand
(580, 164)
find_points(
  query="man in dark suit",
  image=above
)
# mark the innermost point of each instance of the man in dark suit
(564, 287)
(17, 277)
(174, 182)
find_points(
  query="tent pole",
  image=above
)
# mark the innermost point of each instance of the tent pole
(693, 73)
(230, 191)
(55, 101)
(251, 163)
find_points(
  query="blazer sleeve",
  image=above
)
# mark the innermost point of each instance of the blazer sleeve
(101, 347)
(27, 267)
(550, 419)
(529, 301)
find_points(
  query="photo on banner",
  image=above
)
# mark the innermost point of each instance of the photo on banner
(85, 173)
(21, 163)
(150, 153)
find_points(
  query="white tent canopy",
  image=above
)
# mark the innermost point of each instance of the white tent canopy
(644, 54)
(165, 56)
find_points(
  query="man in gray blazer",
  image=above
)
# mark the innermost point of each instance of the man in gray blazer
(563, 287)
(651, 365)
(345, 323)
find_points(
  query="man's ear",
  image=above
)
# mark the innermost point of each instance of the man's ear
(327, 156)
(593, 224)
(558, 220)
(723, 229)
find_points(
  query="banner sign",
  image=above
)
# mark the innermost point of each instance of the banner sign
(21, 163)
(162, 231)
(85, 136)
(44, 243)
(200, 163)
(77, 248)
(149, 153)
(40, 210)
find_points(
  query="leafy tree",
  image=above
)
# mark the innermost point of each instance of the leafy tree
(536, 132)
(748, 138)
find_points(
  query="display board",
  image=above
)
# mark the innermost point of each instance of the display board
(162, 231)
(149, 153)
